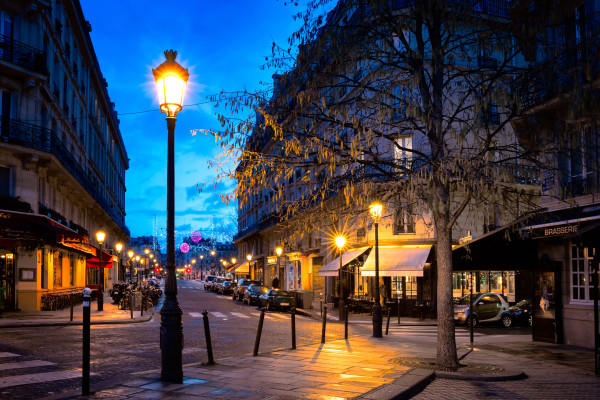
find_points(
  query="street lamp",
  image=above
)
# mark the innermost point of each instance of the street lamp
(201, 266)
(340, 242)
(278, 251)
(249, 258)
(376, 209)
(130, 253)
(120, 274)
(171, 80)
(100, 236)
(137, 269)
(147, 252)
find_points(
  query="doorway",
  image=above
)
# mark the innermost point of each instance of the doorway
(547, 306)
(7, 280)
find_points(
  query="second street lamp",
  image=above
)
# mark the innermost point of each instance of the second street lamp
(340, 242)
(120, 273)
(100, 236)
(171, 80)
(376, 210)
(130, 253)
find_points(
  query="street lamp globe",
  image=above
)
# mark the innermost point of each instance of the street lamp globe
(278, 251)
(130, 253)
(376, 209)
(137, 258)
(249, 257)
(212, 252)
(171, 81)
(233, 260)
(340, 241)
(100, 236)
(119, 247)
(146, 251)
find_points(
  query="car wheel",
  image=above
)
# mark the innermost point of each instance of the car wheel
(530, 321)
(472, 320)
(506, 321)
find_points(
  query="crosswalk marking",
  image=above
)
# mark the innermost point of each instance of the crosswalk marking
(196, 314)
(239, 315)
(38, 377)
(8, 355)
(218, 314)
(24, 364)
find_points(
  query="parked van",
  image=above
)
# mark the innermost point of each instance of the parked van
(208, 281)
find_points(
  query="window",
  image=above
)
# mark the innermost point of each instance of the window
(400, 103)
(57, 268)
(581, 273)
(581, 161)
(4, 181)
(402, 152)
(404, 221)
(398, 45)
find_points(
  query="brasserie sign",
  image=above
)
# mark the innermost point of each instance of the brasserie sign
(552, 231)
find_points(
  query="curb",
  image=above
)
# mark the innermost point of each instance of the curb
(78, 323)
(509, 376)
(404, 387)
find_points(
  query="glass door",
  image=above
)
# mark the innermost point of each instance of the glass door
(546, 306)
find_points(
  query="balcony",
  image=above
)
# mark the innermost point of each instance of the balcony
(580, 186)
(42, 139)
(22, 55)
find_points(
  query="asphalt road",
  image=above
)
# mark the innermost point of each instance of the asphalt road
(117, 351)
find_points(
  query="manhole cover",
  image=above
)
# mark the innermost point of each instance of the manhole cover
(466, 368)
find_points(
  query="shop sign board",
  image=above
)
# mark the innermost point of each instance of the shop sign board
(553, 231)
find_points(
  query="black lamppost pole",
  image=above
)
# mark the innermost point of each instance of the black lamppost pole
(376, 210)
(340, 242)
(171, 80)
(100, 236)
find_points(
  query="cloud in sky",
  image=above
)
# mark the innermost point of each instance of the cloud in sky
(224, 45)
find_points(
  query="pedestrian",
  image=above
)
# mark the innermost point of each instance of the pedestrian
(276, 283)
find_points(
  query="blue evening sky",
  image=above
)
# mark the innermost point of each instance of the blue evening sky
(224, 44)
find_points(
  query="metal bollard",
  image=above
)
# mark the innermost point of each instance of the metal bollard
(211, 360)
(398, 310)
(131, 304)
(72, 305)
(324, 324)
(259, 331)
(293, 310)
(142, 306)
(85, 368)
(387, 326)
(346, 324)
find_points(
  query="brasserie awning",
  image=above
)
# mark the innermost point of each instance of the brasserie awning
(231, 267)
(242, 269)
(333, 267)
(397, 261)
(93, 262)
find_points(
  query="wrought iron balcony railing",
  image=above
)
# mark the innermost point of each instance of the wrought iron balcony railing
(39, 138)
(22, 55)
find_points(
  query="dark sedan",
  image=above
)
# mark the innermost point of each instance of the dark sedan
(240, 289)
(227, 287)
(522, 312)
(277, 299)
(253, 292)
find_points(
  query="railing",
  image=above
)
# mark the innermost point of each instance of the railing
(487, 62)
(579, 187)
(36, 137)
(519, 174)
(22, 55)
(495, 8)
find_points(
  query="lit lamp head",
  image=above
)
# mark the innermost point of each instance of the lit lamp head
(340, 242)
(202, 256)
(119, 247)
(171, 81)
(278, 251)
(100, 236)
(130, 253)
(193, 261)
(146, 251)
(376, 209)
(137, 258)
(233, 260)
(212, 252)
(151, 255)
(249, 257)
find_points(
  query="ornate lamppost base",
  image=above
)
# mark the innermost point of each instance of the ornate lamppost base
(171, 341)
(377, 321)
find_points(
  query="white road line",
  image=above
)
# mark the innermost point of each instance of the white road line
(29, 379)
(196, 314)
(218, 314)
(240, 315)
(24, 364)
(255, 314)
(7, 355)
(280, 316)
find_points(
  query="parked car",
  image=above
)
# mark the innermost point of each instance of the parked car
(216, 283)
(487, 307)
(277, 299)
(522, 312)
(252, 293)
(153, 282)
(227, 287)
(240, 289)
(208, 281)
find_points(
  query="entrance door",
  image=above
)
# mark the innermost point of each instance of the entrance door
(7, 280)
(546, 307)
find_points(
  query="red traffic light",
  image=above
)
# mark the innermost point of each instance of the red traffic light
(188, 270)
(157, 270)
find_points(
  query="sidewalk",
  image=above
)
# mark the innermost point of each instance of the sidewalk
(110, 315)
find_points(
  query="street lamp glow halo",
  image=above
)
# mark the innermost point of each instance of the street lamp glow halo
(249, 257)
(376, 210)
(171, 81)
(340, 241)
(278, 251)
(130, 253)
(119, 246)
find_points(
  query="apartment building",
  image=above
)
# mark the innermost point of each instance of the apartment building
(62, 156)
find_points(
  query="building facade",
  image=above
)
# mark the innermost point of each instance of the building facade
(62, 157)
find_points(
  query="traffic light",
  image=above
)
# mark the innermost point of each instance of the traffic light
(188, 270)
(157, 270)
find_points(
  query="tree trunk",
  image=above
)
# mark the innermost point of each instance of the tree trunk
(446, 357)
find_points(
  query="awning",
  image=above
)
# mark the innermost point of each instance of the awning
(18, 225)
(107, 260)
(230, 268)
(308, 253)
(397, 261)
(242, 269)
(333, 267)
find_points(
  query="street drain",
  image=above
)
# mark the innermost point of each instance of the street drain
(465, 368)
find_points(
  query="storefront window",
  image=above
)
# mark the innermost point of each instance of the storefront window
(57, 268)
(581, 268)
(411, 287)
(7, 278)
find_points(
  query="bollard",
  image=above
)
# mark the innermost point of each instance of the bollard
(324, 324)
(85, 370)
(398, 310)
(211, 360)
(387, 326)
(259, 331)
(293, 310)
(131, 304)
(346, 324)
(72, 305)
(142, 306)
